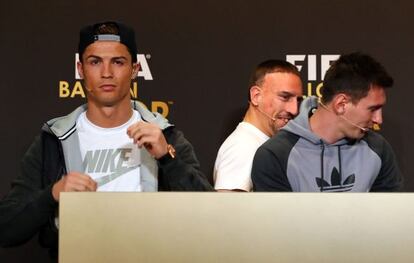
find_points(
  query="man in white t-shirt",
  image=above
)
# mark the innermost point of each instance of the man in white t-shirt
(275, 90)
(109, 144)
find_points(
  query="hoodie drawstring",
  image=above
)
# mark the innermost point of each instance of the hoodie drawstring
(322, 175)
(322, 160)
(340, 164)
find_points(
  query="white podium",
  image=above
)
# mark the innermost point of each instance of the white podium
(236, 227)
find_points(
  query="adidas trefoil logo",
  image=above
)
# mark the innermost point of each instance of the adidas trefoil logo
(336, 182)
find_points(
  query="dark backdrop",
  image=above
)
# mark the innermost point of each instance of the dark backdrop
(200, 54)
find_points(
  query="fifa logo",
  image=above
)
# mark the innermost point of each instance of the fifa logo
(313, 69)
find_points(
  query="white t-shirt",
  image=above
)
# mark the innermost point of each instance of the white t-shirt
(109, 156)
(235, 158)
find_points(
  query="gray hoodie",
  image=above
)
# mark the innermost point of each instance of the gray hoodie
(296, 159)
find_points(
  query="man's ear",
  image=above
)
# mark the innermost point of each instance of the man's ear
(135, 70)
(255, 95)
(80, 69)
(339, 102)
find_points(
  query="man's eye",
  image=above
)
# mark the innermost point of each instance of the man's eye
(94, 62)
(374, 109)
(119, 62)
(284, 97)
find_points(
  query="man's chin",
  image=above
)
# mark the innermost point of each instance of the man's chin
(109, 101)
(358, 134)
(279, 125)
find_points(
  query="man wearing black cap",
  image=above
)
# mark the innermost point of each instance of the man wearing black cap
(108, 144)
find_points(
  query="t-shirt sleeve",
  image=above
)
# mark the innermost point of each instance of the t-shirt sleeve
(233, 167)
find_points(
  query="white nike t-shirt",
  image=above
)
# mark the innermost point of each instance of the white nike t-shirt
(109, 156)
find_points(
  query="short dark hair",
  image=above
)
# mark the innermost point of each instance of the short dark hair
(353, 74)
(109, 30)
(270, 66)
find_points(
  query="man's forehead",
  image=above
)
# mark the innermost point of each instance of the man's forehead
(377, 91)
(376, 96)
(104, 47)
(283, 81)
(281, 77)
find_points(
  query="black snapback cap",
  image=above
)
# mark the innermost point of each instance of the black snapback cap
(108, 31)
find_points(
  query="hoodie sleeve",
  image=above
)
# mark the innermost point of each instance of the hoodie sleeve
(28, 206)
(268, 173)
(389, 178)
(183, 172)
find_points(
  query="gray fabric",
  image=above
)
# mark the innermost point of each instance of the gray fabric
(72, 153)
(107, 37)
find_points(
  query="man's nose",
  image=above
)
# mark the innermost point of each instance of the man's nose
(107, 70)
(293, 106)
(377, 116)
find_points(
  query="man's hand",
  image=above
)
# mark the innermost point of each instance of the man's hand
(150, 136)
(74, 182)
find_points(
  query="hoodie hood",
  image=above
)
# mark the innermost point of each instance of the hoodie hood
(301, 127)
(64, 126)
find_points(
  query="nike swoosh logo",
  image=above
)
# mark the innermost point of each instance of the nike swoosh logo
(110, 177)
